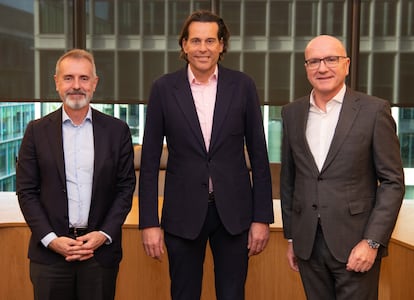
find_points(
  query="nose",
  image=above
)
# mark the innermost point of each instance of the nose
(322, 66)
(203, 45)
(76, 83)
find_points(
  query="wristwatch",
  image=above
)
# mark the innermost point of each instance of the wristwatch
(373, 244)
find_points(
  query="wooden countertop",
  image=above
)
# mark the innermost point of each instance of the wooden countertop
(10, 215)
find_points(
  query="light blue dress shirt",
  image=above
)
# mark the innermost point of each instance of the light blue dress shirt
(78, 149)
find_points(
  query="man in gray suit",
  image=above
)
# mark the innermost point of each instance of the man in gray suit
(342, 181)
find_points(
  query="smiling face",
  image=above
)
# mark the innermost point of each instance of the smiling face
(326, 81)
(75, 82)
(203, 48)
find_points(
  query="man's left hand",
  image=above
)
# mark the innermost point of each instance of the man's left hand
(362, 257)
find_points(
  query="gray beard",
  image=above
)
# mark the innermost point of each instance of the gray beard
(76, 104)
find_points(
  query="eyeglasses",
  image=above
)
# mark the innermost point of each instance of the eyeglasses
(330, 61)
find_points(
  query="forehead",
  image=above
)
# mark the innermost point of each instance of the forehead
(75, 65)
(202, 29)
(324, 46)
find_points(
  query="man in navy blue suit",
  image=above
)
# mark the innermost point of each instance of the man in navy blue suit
(209, 115)
(75, 180)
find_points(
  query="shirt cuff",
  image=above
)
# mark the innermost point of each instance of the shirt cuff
(108, 238)
(48, 238)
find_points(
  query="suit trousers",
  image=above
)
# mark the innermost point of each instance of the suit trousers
(186, 259)
(78, 280)
(325, 278)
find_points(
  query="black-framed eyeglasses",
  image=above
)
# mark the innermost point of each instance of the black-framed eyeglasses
(330, 61)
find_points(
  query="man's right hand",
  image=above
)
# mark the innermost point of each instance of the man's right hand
(153, 242)
(293, 263)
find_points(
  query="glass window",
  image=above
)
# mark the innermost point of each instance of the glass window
(301, 86)
(333, 17)
(47, 70)
(384, 18)
(178, 12)
(101, 15)
(254, 66)
(383, 76)
(153, 67)
(174, 61)
(129, 17)
(51, 16)
(105, 67)
(365, 17)
(406, 134)
(275, 133)
(406, 77)
(154, 16)
(280, 18)
(363, 72)
(129, 75)
(255, 18)
(306, 18)
(279, 78)
(407, 18)
(232, 59)
(16, 49)
(230, 12)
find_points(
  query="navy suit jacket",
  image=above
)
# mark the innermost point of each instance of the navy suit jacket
(358, 192)
(41, 184)
(237, 123)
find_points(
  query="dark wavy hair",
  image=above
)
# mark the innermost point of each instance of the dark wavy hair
(223, 33)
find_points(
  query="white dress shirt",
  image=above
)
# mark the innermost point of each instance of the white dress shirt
(321, 126)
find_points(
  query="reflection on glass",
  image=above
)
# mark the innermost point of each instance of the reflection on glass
(255, 20)
(129, 17)
(128, 75)
(16, 49)
(281, 18)
(384, 18)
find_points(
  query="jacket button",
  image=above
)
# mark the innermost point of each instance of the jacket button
(314, 206)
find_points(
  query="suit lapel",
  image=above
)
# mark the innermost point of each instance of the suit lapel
(185, 101)
(301, 118)
(100, 146)
(225, 90)
(350, 109)
(54, 135)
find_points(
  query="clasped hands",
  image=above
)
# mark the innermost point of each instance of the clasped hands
(79, 249)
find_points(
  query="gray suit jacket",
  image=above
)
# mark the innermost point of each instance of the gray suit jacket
(359, 190)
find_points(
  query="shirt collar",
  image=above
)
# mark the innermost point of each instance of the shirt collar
(339, 97)
(66, 118)
(193, 80)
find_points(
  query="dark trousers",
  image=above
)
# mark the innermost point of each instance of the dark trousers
(325, 278)
(86, 280)
(186, 258)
